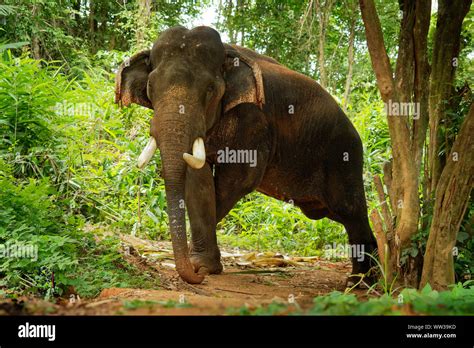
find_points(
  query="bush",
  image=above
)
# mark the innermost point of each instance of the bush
(458, 301)
(53, 246)
(30, 217)
(29, 134)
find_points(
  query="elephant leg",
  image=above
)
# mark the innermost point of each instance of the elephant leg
(207, 205)
(361, 239)
(201, 207)
(356, 223)
(362, 244)
(346, 203)
(246, 129)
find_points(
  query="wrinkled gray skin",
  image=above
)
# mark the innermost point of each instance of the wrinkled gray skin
(307, 149)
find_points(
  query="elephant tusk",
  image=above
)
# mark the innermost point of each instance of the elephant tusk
(147, 153)
(198, 158)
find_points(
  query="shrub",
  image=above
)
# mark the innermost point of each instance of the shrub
(32, 218)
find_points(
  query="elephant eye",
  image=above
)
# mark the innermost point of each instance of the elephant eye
(210, 88)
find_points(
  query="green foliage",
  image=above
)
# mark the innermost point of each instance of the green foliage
(67, 152)
(268, 27)
(274, 308)
(73, 31)
(28, 96)
(174, 304)
(102, 266)
(457, 301)
(137, 304)
(261, 223)
(465, 68)
(149, 304)
(32, 218)
(74, 134)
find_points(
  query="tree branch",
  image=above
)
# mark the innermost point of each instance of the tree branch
(377, 50)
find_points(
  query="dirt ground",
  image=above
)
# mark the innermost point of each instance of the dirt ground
(250, 280)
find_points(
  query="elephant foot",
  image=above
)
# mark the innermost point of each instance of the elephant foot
(206, 264)
(364, 269)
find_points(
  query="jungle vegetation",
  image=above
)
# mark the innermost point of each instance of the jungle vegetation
(68, 176)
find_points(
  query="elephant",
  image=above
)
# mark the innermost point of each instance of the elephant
(228, 121)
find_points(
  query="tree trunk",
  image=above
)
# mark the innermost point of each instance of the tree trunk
(421, 98)
(229, 14)
(143, 19)
(36, 47)
(35, 42)
(398, 90)
(77, 17)
(91, 20)
(408, 132)
(350, 58)
(444, 61)
(240, 12)
(452, 197)
(323, 11)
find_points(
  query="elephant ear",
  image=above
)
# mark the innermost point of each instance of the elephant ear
(132, 79)
(243, 77)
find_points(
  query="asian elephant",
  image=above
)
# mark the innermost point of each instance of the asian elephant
(229, 121)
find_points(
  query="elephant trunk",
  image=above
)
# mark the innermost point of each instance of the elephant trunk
(174, 141)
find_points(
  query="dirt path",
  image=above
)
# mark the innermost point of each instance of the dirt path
(219, 294)
(249, 281)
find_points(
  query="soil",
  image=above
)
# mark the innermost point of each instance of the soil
(242, 285)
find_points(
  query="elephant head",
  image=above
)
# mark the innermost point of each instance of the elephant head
(189, 78)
